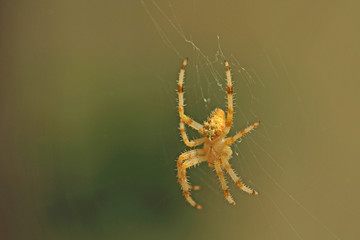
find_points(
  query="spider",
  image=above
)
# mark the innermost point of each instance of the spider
(216, 150)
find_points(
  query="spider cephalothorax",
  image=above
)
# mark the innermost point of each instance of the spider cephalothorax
(214, 126)
(216, 150)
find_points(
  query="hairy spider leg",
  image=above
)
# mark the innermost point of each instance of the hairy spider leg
(192, 158)
(230, 105)
(183, 117)
(185, 138)
(231, 140)
(224, 186)
(225, 163)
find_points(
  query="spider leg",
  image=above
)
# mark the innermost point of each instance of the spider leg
(190, 155)
(231, 140)
(224, 186)
(190, 163)
(229, 89)
(235, 178)
(188, 143)
(183, 117)
(193, 159)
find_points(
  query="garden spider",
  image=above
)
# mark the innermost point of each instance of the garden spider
(216, 150)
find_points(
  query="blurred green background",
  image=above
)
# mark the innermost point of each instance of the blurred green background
(89, 132)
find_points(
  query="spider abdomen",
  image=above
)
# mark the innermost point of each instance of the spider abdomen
(215, 125)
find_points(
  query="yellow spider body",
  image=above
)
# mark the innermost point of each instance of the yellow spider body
(214, 126)
(216, 150)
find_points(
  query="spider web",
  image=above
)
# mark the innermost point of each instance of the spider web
(266, 159)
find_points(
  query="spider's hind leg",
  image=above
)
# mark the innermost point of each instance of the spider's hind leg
(225, 163)
(224, 186)
(192, 158)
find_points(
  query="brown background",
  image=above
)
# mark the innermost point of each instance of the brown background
(88, 126)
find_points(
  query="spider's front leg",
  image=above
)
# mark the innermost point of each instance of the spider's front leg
(192, 158)
(182, 115)
(230, 101)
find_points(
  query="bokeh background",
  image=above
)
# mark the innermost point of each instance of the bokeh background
(88, 121)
